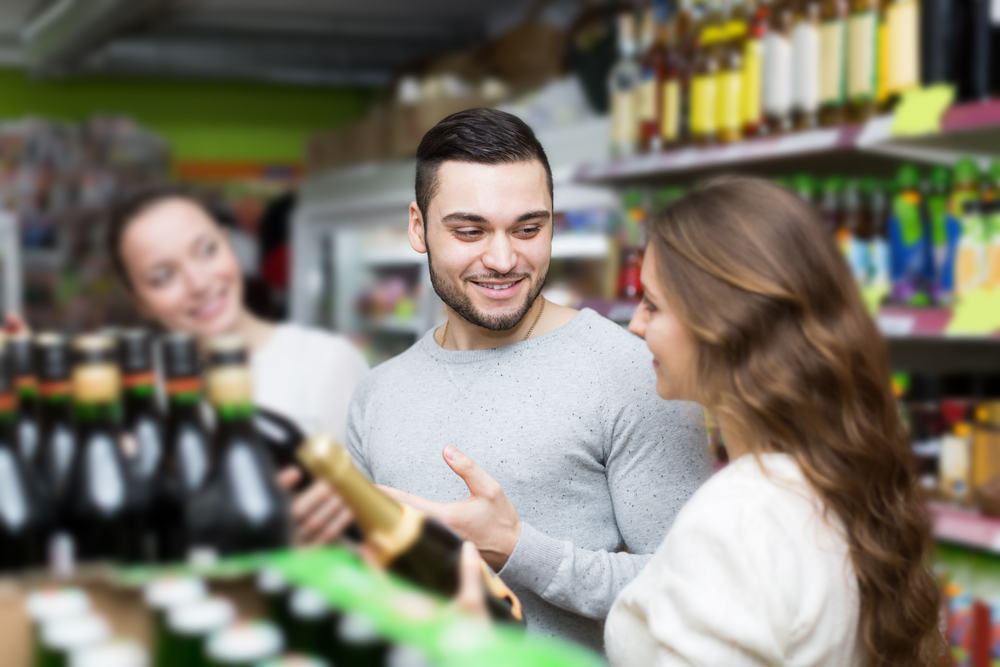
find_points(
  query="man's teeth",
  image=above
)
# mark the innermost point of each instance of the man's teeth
(498, 286)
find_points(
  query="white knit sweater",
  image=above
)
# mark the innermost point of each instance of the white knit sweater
(749, 574)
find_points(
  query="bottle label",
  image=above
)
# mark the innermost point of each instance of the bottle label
(704, 91)
(106, 486)
(12, 505)
(882, 64)
(670, 120)
(623, 120)
(728, 115)
(750, 91)
(777, 75)
(646, 100)
(805, 66)
(904, 46)
(250, 490)
(861, 71)
(832, 64)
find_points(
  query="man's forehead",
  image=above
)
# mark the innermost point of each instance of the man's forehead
(499, 186)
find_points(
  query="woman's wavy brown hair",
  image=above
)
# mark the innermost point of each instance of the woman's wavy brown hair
(787, 356)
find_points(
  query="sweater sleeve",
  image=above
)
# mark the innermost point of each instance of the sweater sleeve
(656, 458)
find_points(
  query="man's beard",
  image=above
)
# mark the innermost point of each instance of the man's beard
(458, 301)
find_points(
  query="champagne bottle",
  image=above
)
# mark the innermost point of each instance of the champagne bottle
(282, 439)
(57, 438)
(99, 508)
(240, 508)
(141, 413)
(187, 447)
(27, 394)
(24, 510)
(402, 538)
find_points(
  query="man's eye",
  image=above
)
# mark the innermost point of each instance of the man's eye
(528, 231)
(468, 233)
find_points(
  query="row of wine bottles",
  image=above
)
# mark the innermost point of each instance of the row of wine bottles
(92, 468)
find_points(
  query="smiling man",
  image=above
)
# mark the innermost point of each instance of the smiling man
(571, 468)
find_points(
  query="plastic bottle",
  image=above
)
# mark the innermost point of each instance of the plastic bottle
(908, 238)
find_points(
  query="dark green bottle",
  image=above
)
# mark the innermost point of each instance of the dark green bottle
(187, 445)
(57, 437)
(27, 394)
(240, 508)
(99, 507)
(25, 514)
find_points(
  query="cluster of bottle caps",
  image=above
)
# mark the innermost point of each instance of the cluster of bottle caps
(102, 458)
(721, 70)
(194, 627)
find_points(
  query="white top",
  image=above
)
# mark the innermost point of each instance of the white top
(749, 574)
(308, 376)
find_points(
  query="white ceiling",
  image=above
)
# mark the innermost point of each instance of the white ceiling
(348, 42)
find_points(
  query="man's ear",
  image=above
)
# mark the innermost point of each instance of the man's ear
(416, 229)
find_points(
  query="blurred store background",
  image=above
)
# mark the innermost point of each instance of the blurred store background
(299, 120)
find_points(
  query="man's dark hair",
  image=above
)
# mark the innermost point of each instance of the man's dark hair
(483, 136)
(131, 207)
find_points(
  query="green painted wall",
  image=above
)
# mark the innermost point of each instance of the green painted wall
(202, 120)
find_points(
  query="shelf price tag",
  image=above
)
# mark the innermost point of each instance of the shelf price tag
(920, 110)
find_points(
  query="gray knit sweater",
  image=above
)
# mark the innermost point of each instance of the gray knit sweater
(570, 425)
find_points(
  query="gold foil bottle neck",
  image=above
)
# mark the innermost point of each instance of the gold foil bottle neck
(229, 385)
(96, 383)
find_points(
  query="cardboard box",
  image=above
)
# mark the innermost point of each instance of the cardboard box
(410, 122)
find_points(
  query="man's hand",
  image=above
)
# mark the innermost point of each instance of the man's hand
(319, 514)
(486, 518)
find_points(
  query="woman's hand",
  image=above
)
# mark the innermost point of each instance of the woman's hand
(14, 324)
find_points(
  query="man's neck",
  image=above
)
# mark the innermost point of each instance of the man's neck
(463, 335)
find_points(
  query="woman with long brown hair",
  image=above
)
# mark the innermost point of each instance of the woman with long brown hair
(811, 547)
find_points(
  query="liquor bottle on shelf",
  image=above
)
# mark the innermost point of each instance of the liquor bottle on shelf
(729, 117)
(652, 72)
(908, 239)
(99, 507)
(752, 89)
(25, 513)
(631, 244)
(239, 508)
(833, 62)
(831, 206)
(778, 68)
(877, 206)
(863, 58)
(27, 394)
(672, 93)
(859, 233)
(183, 467)
(972, 46)
(705, 86)
(623, 84)
(937, 42)
(57, 436)
(401, 538)
(806, 64)
(902, 18)
(944, 230)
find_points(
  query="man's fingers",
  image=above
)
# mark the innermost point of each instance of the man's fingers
(426, 506)
(479, 483)
(471, 597)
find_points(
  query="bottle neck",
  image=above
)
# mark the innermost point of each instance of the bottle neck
(8, 417)
(234, 413)
(97, 414)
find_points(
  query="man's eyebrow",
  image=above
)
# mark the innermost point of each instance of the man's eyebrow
(534, 215)
(461, 216)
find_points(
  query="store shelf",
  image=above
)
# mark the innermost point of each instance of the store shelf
(401, 255)
(569, 245)
(965, 527)
(912, 322)
(967, 128)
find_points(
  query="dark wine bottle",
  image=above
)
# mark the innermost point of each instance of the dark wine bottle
(27, 394)
(282, 439)
(141, 413)
(25, 514)
(99, 508)
(240, 508)
(57, 437)
(403, 539)
(187, 446)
